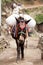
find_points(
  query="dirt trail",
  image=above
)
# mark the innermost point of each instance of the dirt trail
(32, 56)
(8, 57)
(32, 6)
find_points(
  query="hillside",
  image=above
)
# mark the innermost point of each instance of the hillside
(31, 7)
(8, 53)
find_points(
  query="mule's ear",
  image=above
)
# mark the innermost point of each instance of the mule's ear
(17, 20)
(27, 21)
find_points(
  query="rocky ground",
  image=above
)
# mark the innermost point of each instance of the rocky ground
(8, 46)
(32, 52)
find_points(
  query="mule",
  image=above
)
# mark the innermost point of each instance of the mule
(20, 35)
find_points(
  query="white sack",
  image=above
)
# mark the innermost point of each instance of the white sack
(15, 15)
(11, 19)
(14, 5)
(15, 11)
(32, 22)
(21, 15)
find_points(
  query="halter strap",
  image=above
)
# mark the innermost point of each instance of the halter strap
(21, 32)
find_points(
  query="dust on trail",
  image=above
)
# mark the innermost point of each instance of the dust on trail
(8, 57)
(32, 54)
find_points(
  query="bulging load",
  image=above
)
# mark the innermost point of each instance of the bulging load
(11, 20)
(32, 22)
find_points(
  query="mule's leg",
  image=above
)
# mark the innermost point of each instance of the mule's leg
(18, 50)
(22, 51)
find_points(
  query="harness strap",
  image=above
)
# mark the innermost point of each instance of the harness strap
(21, 32)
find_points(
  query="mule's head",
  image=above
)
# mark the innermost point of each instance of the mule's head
(22, 25)
(21, 19)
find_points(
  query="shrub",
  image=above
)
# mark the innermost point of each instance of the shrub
(39, 18)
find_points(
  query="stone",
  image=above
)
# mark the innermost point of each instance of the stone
(12, 43)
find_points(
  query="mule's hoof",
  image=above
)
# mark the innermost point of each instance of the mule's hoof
(22, 58)
(17, 61)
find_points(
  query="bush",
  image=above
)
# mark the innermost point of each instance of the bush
(39, 18)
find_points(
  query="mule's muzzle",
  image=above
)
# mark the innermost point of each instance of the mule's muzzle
(21, 41)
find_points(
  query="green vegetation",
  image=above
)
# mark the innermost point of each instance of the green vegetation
(6, 1)
(18, 1)
(31, 11)
(26, 11)
(39, 18)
